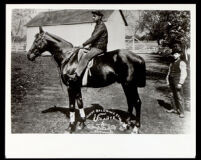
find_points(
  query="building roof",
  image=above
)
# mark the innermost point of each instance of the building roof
(64, 17)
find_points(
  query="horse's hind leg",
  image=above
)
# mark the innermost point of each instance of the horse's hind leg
(133, 100)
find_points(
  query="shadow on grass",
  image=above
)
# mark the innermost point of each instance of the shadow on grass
(160, 58)
(94, 112)
(152, 75)
(163, 104)
(163, 89)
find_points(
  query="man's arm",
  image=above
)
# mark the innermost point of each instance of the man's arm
(99, 31)
(167, 81)
(183, 75)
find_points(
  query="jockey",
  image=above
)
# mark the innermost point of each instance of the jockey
(97, 42)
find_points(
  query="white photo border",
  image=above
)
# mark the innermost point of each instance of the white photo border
(93, 145)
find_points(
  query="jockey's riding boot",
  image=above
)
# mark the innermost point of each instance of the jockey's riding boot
(73, 77)
(181, 115)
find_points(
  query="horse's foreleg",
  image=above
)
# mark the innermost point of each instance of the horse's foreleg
(81, 109)
(71, 95)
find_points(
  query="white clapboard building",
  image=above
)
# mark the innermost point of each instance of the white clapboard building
(76, 26)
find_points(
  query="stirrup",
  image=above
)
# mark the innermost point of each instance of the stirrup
(72, 75)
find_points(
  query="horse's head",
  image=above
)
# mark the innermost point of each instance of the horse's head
(39, 45)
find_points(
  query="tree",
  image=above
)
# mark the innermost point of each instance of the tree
(168, 27)
(132, 18)
(19, 18)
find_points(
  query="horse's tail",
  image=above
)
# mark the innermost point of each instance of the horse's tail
(141, 74)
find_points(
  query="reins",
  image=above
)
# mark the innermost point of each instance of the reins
(66, 60)
(59, 71)
(63, 63)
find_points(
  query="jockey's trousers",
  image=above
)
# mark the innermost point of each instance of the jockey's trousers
(86, 58)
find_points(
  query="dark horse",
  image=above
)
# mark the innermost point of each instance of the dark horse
(120, 66)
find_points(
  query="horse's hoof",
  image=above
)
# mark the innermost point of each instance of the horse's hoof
(81, 126)
(128, 127)
(135, 130)
(72, 127)
(124, 127)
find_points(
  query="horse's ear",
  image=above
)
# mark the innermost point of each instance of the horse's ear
(41, 29)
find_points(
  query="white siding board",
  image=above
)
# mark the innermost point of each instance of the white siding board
(116, 29)
(79, 33)
(75, 34)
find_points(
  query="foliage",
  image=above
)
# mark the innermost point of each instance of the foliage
(19, 19)
(132, 17)
(167, 27)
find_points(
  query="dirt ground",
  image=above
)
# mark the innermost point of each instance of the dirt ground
(36, 87)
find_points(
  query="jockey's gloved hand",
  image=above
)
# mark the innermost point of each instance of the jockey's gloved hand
(81, 46)
(88, 47)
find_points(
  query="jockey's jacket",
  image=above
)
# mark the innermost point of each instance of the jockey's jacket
(99, 37)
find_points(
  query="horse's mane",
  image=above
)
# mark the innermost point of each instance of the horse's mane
(57, 38)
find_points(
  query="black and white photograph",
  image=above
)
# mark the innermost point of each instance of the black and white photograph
(107, 81)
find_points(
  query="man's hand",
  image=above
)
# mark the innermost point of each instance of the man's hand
(179, 86)
(167, 81)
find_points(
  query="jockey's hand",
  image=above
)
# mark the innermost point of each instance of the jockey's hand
(88, 46)
(81, 46)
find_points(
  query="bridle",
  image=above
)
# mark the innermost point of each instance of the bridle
(38, 43)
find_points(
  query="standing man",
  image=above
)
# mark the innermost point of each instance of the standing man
(97, 42)
(176, 77)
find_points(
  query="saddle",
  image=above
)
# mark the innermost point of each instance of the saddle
(87, 71)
